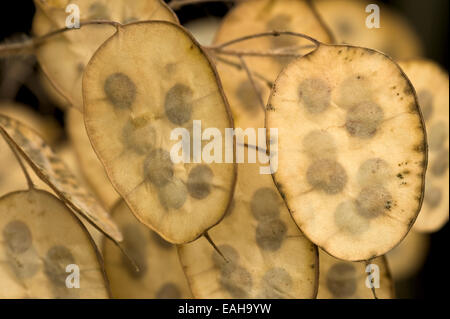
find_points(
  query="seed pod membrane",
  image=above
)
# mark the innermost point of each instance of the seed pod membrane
(160, 274)
(40, 239)
(351, 149)
(409, 256)
(46, 126)
(268, 257)
(340, 279)
(90, 165)
(254, 17)
(55, 173)
(77, 46)
(130, 116)
(347, 20)
(431, 84)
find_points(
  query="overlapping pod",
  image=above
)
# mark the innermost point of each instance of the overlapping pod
(266, 255)
(347, 20)
(253, 17)
(63, 57)
(160, 274)
(431, 84)
(354, 280)
(90, 165)
(45, 252)
(352, 150)
(147, 83)
(11, 175)
(55, 173)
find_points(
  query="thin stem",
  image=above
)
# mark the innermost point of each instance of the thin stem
(28, 45)
(265, 34)
(128, 257)
(250, 78)
(206, 235)
(177, 4)
(256, 53)
(319, 18)
(19, 160)
(239, 67)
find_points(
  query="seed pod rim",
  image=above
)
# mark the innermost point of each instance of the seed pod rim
(417, 108)
(225, 104)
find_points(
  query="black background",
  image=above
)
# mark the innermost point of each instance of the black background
(429, 19)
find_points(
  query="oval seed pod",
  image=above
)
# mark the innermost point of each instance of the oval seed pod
(431, 84)
(352, 150)
(347, 20)
(55, 173)
(90, 165)
(340, 279)
(147, 83)
(160, 274)
(253, 17)
(267, 256)
(409, 256)
(44, 248)
(78, 45)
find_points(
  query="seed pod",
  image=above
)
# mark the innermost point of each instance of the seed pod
(352, 151)
(90, 165)
(55, 173)
(78, 45)
(252, 17)
(348, 21)
(266, 255)
(340, 279)
(431, 83)
(46, 126)
(130, 116)
(160, 274)
(409, 256)
(44, 249)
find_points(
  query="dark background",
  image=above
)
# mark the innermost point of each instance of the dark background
(429, 19)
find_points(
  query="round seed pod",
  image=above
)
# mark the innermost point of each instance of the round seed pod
(431, 84)
(252, 17)
(340, 279)
(56, 174)
(132, 136)
(90, 165)
(409, 256)
(266, 255)
(160, 274)
(355, 167)
(77, 46)
(347, 20)
(41, 238)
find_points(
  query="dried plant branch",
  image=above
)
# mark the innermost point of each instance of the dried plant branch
(28, 46)
(320, 19)
(252, 81)
(239, 67)
(265, 34)
(269, 53)
(177, 4)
